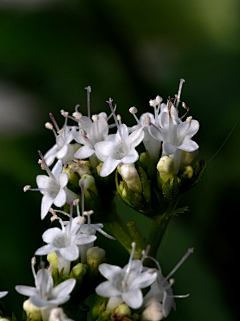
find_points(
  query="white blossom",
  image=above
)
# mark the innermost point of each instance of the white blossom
(124, 284)
(44, 295)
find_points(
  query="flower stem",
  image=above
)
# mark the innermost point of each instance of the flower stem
(157, 228)
(122, 233)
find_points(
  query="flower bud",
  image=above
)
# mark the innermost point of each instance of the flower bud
(95, 256)
(188, 157)
(131, 177)
(165, 167)
(33, 312)
(187, 172)
(153, 312)
(52, 259)
(123, 309)
(78, 271)
(88, 182)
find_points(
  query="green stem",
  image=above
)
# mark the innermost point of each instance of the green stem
(157, 228)
(122, 233)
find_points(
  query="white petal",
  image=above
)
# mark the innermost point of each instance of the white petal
(46, 204)
(135, 137)
(64, 288)
(57, 169)
(46, 249)
(107, 289)
(156, 133)
(143, 280)
(84, 152)
(169, 148)
(3, 293)
(104, 149)
(109, 271)
(62, 152)
(70, 253)
(43, 182)
(61, 198)
(133, 298)
(49, 235)
(26, 290)
(37, 301)
(189, 146)
(131, 157)
(109, 165)
(85, 239)
(63, 179)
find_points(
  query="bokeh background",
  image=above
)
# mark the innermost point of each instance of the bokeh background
(130, 51)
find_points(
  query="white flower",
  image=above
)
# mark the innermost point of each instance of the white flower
(120, 150)
(65, 242)
(45, 295)
(124, 285)
(3, 293)
(53, 187)
(62, 149)
(161, 290)
(97, 132)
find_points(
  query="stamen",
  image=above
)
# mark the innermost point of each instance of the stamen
(45, 165)
(128, 269)
(76, 203)
(54, 121)
(64, 113)
(77, 115)
(158, 99)
(145, 253)
(95, 118)
(185, 107)
(33, 262)
(133, 110)
(82, 190)
(88, 214)
(147, 120)
(189, 251)
(88, 88)
(179, 91)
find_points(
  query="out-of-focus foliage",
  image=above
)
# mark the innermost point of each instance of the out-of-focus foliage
(130, 51)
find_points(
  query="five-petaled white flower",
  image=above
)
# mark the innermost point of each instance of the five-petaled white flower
(124, 284)
(65, 242)
(45, 295)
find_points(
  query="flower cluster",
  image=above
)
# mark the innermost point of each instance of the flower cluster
(149, 166)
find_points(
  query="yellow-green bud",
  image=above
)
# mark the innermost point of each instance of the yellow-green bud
(165, 167)
(33, 312)
(188, 157)
(81, 167)
(88, 181)
(131, 177)
(187, 172)
(4, 319)
(52, 259)
(78, 271)
(123, 309)
(95, 256)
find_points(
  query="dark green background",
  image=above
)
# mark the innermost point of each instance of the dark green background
(130, 51)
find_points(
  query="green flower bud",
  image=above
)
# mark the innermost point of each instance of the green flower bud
(73, 176)
(187, 158)
(78, 271)
(95, 256)
(33, 312)
(99, 307)
(153, 312)
(187, 172)
(123, 309)
(88, 182)
(52, 259)
(131, 177)
(165, 168)
(171, 188)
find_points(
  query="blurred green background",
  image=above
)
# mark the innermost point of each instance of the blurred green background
(130, 51)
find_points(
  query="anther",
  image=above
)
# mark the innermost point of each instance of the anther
(77, 115)
(76, 202)
(64, 113)
(26, 188)
(189, 119)
(82, 132)
(152, 102)
(95, 118)
(158, 100)
(133, 110)
(81, 221)
(88, 213)
(147, 120)
(48, 126)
